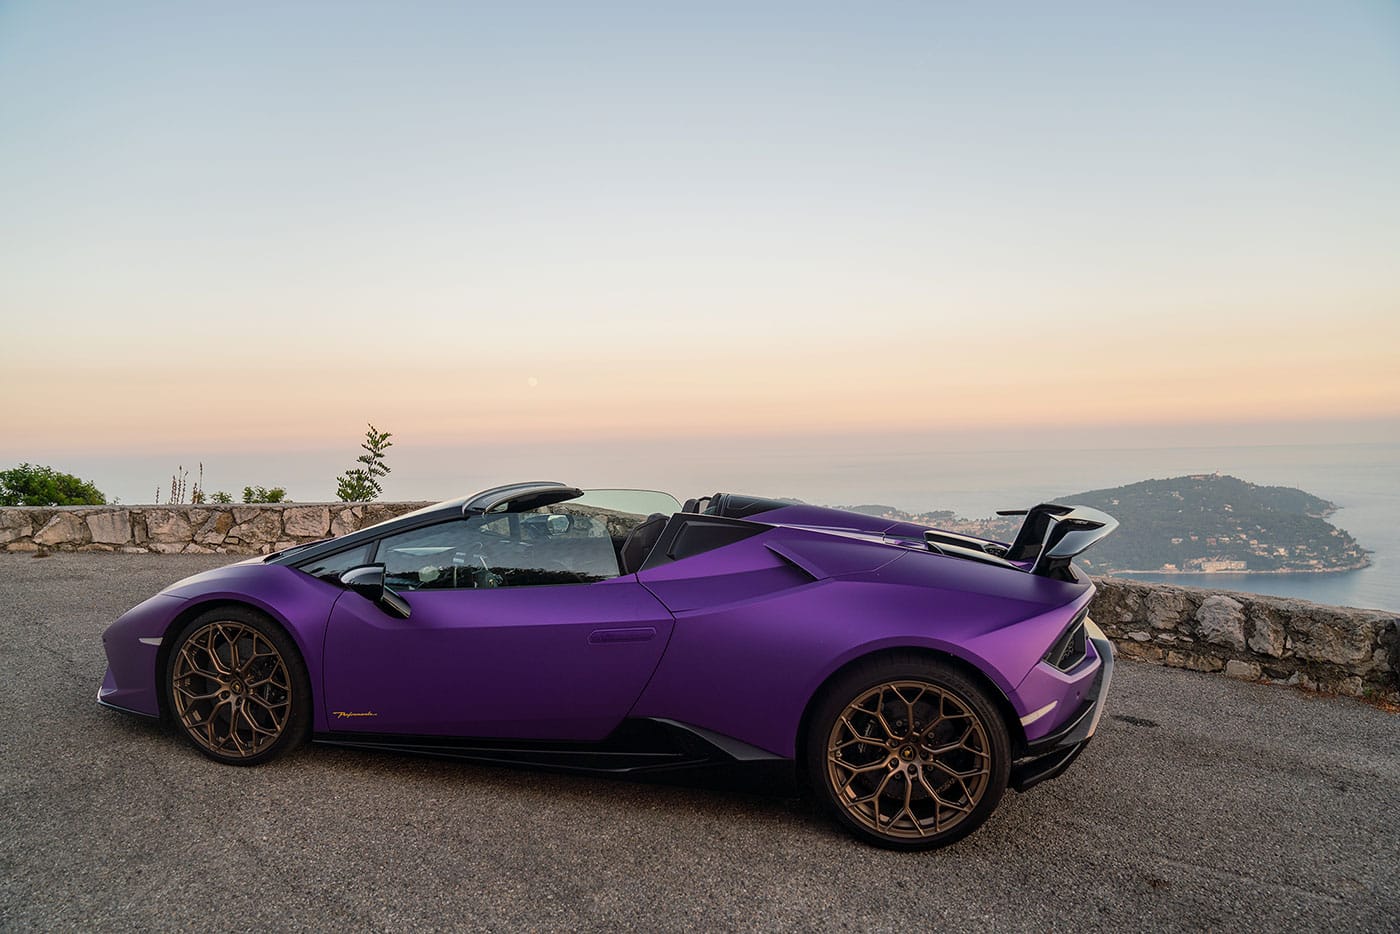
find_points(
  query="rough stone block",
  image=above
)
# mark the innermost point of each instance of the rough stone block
(1166, 608)
(1351, 686)
(1267, 636)
(168, 525)
(263, 525)
(1245, 671)
(306, 521)
(213, 530)
(1194, 661)
(346, 521)
(1327, 634)
(64, 528)
(1140, 652)
(110, 527)
(17, 520)
(1220, 620)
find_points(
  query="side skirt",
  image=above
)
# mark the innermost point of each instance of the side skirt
(638, 748)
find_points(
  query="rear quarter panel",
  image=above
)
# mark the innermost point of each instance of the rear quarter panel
(745, 659)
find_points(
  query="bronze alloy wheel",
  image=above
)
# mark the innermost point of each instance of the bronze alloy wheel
(909, 759)
(231, 689)
(907, 752)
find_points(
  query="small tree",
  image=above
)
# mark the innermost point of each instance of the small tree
(32, 485)
(361, 484)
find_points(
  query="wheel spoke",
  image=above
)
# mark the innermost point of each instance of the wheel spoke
(909, 806)
(859, 769)
(213, 650)
(909, 705)
(247, 716)
(192, 696)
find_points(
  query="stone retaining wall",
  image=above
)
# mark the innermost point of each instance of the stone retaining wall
(200, 530)
(1329, 648)
(1247, 636)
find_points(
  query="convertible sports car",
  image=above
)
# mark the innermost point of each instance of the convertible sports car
(907, 675)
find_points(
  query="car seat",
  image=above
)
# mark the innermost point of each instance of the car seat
(640, 541)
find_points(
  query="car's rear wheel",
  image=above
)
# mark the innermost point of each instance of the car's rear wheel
(237, 687)
(907, 753)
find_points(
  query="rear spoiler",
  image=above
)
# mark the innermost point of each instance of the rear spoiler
(1053, 535)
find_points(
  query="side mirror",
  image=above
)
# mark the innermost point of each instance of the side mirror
(368, 582)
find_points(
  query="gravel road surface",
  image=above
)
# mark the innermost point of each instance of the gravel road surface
(1203, 803)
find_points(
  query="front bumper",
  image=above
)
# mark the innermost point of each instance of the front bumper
(132, 645)
(1050, 755)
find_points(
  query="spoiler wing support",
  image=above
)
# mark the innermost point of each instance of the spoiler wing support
(1052, 535)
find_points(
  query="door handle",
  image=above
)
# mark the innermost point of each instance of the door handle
(609, 636)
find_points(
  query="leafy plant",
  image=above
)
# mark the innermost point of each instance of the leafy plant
(221, 497)
(261, 494)
(361, 484)
(32, 485)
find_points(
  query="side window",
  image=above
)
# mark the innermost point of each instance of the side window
(499, 550)
(432, 558)
(330, 567)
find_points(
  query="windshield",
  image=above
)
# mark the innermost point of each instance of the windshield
(641, 503)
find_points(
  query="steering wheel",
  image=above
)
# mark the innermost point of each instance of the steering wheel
(480, 568)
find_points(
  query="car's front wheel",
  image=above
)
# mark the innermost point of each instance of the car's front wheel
(907, 753)
(237, 687)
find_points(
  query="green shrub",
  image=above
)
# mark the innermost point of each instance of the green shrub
(259, 494)
(32, 485)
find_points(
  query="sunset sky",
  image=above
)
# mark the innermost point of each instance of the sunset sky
(242, 231)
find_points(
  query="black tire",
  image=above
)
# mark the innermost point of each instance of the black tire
(908, 734)
(236, 687)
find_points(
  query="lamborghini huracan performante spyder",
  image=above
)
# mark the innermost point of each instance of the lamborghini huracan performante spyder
(907, 676)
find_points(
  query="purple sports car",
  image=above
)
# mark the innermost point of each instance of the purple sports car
(908, 676)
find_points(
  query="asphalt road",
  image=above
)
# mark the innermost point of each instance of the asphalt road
(1203, 803)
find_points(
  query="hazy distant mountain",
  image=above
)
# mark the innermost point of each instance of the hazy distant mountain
(1212, 522)
(1204, 523)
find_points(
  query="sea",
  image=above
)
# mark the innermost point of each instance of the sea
(1362, 479)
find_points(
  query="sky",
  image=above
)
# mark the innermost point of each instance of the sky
(592, 237)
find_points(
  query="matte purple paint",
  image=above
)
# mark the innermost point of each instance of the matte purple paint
(737, 640)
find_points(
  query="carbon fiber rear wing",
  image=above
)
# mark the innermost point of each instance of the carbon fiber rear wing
(1053, 535)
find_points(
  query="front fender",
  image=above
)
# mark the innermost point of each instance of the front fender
(139, 640)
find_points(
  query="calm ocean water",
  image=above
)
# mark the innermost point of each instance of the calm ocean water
(1362, 479)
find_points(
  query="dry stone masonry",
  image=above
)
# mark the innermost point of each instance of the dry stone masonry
(200, 530)
(1347, 651)
(1253, 637)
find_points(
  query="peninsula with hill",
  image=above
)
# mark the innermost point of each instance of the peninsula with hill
(1197, 524)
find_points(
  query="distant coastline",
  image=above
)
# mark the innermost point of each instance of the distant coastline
(1366, 563)
(1193, 525)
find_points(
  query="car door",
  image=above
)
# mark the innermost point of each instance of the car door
(516, 630)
